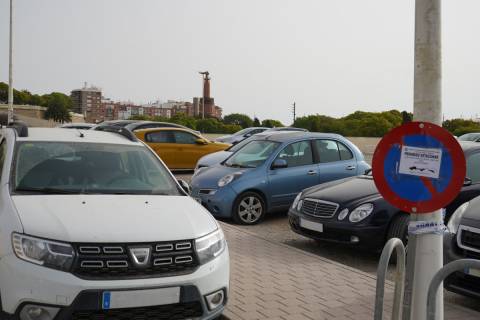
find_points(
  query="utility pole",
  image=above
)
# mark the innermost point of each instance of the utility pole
(425, 251)
(294, 112)
(10, 67)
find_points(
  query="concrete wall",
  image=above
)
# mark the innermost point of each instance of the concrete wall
(34, 116)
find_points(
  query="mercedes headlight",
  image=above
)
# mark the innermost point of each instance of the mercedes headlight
(456, 217)
(210, 246)
(297, 203)
(361, 212)
(228, 178)
(46, 253)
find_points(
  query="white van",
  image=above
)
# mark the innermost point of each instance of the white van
(94, 226)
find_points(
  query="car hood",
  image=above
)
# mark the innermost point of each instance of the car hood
(213, 158)
(471, 216)
(345, 190)
(113, 218)
(207, 178)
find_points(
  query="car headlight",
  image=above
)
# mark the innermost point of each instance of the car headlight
(210, 246)
(46, 253)
(456, 217)
(343, 214)
(296, 202)
(361, 212)
(228, 178)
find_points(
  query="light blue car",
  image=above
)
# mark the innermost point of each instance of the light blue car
(266, 174)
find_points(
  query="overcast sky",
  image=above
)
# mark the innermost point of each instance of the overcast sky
(330, 56)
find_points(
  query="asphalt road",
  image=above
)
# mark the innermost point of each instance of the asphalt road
(275, 228)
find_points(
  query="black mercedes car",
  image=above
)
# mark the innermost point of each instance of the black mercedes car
(462, 241)
(352, 211)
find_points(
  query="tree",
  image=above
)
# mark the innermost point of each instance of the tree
(270, 123)
(210, 125)
(256, 122)
(184, 120)
(460, 126)
(239, 119)
(58, 107)
(407, 117)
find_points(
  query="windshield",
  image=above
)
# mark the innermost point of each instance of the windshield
(241, 132)
(58, 167)
(253, 154)
(469, 137)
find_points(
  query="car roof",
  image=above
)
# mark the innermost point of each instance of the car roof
(286, 136)
(69, 135)
(469, 146)
(165, 129)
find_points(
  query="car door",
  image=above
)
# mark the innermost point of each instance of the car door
(163, 143)
(336, 160)
(188, 150)
(301, 172)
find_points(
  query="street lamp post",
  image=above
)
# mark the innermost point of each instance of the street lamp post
(10, 67)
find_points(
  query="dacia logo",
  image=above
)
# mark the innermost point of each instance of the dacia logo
(140, 256)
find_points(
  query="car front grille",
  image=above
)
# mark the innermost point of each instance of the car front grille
(117, 261)
(319, 208)
(167, 312)
(469, 238)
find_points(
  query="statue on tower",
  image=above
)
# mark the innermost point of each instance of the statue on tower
(206, 84)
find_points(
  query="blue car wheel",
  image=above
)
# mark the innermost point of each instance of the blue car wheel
(249, 208)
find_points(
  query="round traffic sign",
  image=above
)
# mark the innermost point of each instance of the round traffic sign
(419, 167)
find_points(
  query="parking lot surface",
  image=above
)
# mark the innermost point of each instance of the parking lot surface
(274, 230)
(271, 280)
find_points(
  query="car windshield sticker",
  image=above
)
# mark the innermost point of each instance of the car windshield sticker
(421, 162)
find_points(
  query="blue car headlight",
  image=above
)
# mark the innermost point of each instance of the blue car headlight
(228, 178)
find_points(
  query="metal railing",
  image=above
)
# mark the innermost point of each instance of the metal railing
(392, 244)
(440, 276)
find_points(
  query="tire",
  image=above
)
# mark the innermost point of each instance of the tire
(399, 228)
(249, 208)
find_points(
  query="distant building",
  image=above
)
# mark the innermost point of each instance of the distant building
(87, 101)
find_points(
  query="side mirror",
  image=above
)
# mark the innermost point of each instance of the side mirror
(247, 135)
(279, 164)
(467, 182)
(201, 141)
(367, 172)
(184, 185)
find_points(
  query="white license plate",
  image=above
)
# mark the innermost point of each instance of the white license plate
(140, 298)
(473, 272)
(310, 225)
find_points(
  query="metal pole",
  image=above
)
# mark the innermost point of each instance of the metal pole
(425, 252)
(294, 112)
(10, 67)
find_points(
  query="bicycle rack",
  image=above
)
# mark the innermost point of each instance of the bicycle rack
(392, 244)
(440, 276)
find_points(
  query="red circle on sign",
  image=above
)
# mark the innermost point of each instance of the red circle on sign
(439, 199)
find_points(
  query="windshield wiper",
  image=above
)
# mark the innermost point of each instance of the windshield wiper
(49, 190)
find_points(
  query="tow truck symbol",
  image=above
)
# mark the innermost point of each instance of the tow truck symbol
(421, 169)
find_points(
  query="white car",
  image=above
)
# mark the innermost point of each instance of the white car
(94, 226)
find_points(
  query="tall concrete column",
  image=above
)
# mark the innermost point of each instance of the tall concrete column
(426, 249)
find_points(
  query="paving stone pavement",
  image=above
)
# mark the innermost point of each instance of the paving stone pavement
(271, 280)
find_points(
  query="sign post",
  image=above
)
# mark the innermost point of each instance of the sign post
(426, 251)
(420, 168)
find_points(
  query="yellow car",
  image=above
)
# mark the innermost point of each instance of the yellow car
(179, 148)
